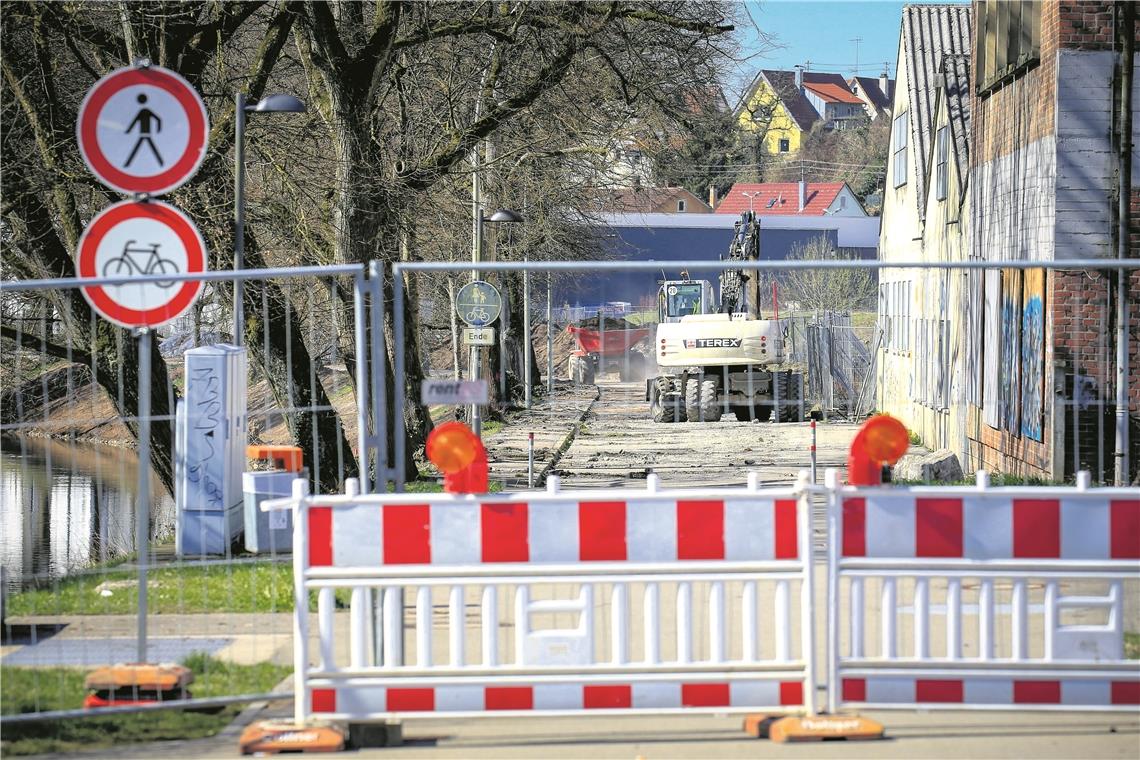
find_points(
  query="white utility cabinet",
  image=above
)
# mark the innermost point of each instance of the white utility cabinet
(210, 443)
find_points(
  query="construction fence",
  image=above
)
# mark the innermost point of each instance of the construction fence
(329, 367)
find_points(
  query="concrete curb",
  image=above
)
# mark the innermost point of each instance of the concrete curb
(567, 441)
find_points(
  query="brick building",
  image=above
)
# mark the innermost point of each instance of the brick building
(1031, 354)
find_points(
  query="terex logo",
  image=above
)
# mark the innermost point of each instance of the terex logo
(713, 343)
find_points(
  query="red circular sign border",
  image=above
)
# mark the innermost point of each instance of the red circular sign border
(155, 76)
(182, 226)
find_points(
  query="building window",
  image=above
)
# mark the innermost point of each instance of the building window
(894, 307)
(941, 152)
(898, 139)
(680, 206)
(785, 145)
(1008, 41)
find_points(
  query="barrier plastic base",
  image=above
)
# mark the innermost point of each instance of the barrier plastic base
(271, 737)
(366, 735)
(813, 728)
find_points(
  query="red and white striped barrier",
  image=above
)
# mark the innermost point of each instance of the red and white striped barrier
(554, 602)
(456, 530)
(971, 562)
(993, 525)
(660, 601)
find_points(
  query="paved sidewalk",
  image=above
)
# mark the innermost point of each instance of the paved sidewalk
(910, 735)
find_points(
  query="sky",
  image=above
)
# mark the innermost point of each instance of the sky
(823, 32)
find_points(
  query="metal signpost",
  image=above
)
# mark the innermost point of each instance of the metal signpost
(478, 304)
(142, 131)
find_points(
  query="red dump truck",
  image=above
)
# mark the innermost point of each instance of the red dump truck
(606, 350)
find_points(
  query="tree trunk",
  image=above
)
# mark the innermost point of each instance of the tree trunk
(289, 369)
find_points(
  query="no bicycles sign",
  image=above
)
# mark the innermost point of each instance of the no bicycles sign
(143, 129)
(132, 240)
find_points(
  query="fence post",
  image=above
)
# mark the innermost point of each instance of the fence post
(142, 498)
(549, 340)
(807, 593)
(831, 614)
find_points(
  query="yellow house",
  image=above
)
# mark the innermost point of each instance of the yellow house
(781, 106)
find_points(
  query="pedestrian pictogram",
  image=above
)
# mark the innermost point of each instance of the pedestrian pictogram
(143, 120)
(478, 303)
(143, 130)
(136, 240)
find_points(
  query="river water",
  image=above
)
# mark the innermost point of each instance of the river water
(65, 507)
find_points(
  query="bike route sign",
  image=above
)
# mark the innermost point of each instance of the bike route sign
(133, 239)
(143, 130)
(478, 303)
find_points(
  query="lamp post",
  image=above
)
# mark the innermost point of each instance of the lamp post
(271, 104)
(750, 196)
(504, 216)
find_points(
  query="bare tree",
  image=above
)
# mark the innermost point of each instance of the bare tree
(828, 289)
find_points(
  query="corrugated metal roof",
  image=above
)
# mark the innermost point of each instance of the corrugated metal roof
(956, 69)
(929, 33)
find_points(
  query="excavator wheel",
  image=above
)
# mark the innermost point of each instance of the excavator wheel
(700, 400)
(791, 387)
(665, 403)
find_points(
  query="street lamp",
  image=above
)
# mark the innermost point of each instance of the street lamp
(750, 196)
(271, 104)
(504, 216)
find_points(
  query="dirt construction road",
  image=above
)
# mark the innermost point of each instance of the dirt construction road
(619, 444)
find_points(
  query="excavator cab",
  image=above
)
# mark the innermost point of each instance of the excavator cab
(683, 298)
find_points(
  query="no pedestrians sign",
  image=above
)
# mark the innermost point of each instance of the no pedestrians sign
(143, 130)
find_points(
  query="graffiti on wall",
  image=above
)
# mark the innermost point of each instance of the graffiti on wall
(1033, 354)
(1009, 374)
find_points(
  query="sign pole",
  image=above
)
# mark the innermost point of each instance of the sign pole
(527, 347)
(239, 214)
(549, 342)
(142, 501)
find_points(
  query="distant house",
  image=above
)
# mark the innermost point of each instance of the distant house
(875, 94)
(781, 106)
(649, 200)
(792, 198)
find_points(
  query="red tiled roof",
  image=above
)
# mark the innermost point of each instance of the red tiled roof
(833, 93)
(777, 198)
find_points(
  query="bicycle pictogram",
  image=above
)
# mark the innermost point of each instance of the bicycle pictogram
(128, 263)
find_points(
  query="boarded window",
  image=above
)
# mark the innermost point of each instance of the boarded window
(1008, 40)
(898, 140)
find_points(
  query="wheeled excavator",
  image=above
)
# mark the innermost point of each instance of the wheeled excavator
(719, 357)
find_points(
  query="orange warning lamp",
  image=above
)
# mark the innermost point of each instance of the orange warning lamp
(460, 456)
(881, 441)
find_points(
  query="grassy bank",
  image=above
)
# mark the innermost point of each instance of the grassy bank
(186, 587)
(42, 689)
(262, 586)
